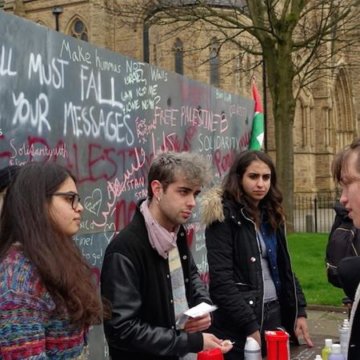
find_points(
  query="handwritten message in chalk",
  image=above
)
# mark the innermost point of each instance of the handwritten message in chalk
(105, 116)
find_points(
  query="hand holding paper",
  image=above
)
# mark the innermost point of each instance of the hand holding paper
(197, 318)
(197, 324)
(200, 310)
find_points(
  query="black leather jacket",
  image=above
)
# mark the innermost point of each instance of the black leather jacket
(236, 282)
(136, 280)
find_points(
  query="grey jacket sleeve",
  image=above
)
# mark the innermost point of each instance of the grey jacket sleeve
(199, 291)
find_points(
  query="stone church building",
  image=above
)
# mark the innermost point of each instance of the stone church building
(327, 116)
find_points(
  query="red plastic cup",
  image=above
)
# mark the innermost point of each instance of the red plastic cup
(277, 345)
(213, 354)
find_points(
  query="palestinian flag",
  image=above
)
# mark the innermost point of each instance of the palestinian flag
(257, 133)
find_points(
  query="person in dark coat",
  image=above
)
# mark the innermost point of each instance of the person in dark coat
(7, 175)
(343, 241)
(250, 275)
(149, 275)
(346, 173)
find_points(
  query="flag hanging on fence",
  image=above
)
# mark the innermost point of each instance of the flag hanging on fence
(257, 132)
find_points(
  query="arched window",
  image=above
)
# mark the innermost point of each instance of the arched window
(79, 30)
(344, 116)
(214, 62)
(179, 56)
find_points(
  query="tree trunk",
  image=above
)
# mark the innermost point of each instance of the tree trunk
(284, 114)
(279, 69)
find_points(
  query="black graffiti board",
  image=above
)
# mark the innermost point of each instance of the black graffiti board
(105, 116)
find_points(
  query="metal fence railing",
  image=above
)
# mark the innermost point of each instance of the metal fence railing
(314, 213)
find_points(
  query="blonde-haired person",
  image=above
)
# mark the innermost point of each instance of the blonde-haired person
(346, 173)
(48, 298)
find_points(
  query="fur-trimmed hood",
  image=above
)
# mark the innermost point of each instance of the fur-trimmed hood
(211, 206)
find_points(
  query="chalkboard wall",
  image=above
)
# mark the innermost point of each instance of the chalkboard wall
(105, 116)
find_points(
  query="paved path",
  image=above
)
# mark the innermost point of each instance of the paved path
(323, 323)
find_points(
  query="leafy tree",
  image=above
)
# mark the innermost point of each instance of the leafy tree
(297, 40)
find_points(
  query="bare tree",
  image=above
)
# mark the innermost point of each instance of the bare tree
(297, 40)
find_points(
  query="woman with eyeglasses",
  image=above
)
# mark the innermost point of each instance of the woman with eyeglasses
(48, 298)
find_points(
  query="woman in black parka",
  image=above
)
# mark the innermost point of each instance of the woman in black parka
(251, 280)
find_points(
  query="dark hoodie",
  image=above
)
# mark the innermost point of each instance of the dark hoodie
(344, 241)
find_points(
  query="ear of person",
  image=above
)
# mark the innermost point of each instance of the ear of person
(157, 190)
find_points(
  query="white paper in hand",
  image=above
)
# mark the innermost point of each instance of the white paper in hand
(200, 310)
(194, 312)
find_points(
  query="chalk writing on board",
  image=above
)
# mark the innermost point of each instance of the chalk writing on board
(105, 117)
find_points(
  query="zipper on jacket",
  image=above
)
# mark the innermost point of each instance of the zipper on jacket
(293, 279)
(262, 273)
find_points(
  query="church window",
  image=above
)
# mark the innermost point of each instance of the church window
(79, 30)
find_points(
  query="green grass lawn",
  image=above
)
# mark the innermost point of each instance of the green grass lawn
(307, 252)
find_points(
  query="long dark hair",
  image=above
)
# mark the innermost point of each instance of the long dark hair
(233, 190)
(25, 219)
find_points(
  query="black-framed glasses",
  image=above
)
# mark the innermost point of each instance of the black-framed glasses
(73, 197)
